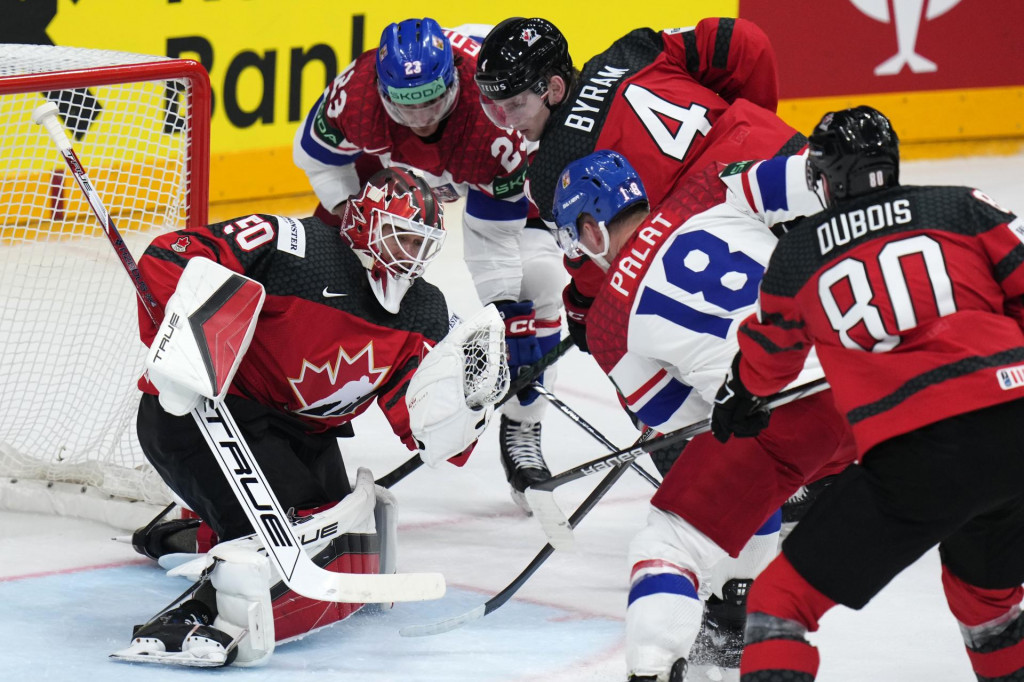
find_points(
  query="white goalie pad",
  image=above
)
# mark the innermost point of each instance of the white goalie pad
(451, 396)
(207, 327)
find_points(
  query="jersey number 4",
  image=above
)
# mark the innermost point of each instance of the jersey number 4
(653, 112)
(859, 314)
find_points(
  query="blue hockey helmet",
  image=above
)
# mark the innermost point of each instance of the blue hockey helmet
(416, 74)
(602, 184)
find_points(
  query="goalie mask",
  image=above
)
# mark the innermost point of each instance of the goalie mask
(395, 227)
(850, 153)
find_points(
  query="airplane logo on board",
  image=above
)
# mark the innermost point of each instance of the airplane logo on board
(906, 16)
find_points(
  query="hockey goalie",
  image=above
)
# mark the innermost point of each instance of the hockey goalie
(279, 332)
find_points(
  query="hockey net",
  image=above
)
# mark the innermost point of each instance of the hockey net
(70, 354)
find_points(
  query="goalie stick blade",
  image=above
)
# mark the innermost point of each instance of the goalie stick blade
(554, 522)
(359, 588)
(444, 625)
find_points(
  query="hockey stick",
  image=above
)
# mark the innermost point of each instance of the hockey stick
(590, 429)
(550, 515)
(46, 116)
(235, 459)
(540, 496)
(527, 375)
(500, 598)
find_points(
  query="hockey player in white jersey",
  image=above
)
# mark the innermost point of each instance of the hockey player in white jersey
(679, 278)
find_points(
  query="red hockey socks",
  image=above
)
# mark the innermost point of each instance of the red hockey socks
(992, 627)
(781, 608)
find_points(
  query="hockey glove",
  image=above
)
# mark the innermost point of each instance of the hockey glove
(738, 412)
(521, 341)
(576, 307)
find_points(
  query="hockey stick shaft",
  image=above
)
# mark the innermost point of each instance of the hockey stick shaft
(678, 436)
(46, 116)
(275, 531)
(235, 458)
(526, 377)
(590, 429)
(495, 602)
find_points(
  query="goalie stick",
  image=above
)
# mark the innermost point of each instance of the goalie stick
(526, 377)
(540, 496)
(235, 459)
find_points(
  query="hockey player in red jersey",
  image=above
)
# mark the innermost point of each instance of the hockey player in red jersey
(911, 297)
(678, 278)
(346, 321)
(673, 101)
(412, 102)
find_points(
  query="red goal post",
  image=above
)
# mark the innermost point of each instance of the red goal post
(69, 350)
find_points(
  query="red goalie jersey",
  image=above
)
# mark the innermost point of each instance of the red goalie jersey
(911, 297)
(324, 349)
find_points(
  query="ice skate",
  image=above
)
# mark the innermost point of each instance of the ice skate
(521, 458)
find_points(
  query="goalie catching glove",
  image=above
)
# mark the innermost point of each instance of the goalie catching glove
(451, 396)
(207, 327)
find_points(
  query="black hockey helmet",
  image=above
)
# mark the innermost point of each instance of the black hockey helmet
(852, 152)
(520, 54)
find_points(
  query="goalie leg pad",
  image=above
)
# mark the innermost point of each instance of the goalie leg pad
(243, 601)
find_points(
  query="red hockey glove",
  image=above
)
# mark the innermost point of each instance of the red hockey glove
(576, 307)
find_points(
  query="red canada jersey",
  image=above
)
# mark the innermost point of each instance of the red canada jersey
(670, 102)
(323, 348)
(911, 297)
(468, 148)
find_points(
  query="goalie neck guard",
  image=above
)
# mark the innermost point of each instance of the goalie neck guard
(395, 227)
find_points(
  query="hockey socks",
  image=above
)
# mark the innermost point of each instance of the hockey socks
(992, 626)
(781, 608)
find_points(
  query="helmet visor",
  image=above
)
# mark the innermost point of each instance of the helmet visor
(516, 111)
(405, 246)
(422, 106)
(568, 238)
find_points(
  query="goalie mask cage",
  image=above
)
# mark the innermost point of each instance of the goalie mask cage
(70, 354)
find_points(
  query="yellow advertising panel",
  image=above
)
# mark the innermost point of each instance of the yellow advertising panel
(270, 59)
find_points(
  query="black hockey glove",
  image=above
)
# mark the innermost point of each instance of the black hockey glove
(576, 307)
(738, 412)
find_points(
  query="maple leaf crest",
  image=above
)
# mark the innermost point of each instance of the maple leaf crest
(337, 389)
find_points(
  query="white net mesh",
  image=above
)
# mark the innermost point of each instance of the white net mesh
(69, 350)
(485, 373)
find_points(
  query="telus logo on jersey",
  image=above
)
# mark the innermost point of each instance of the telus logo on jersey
(596, 89)
(843, 228)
